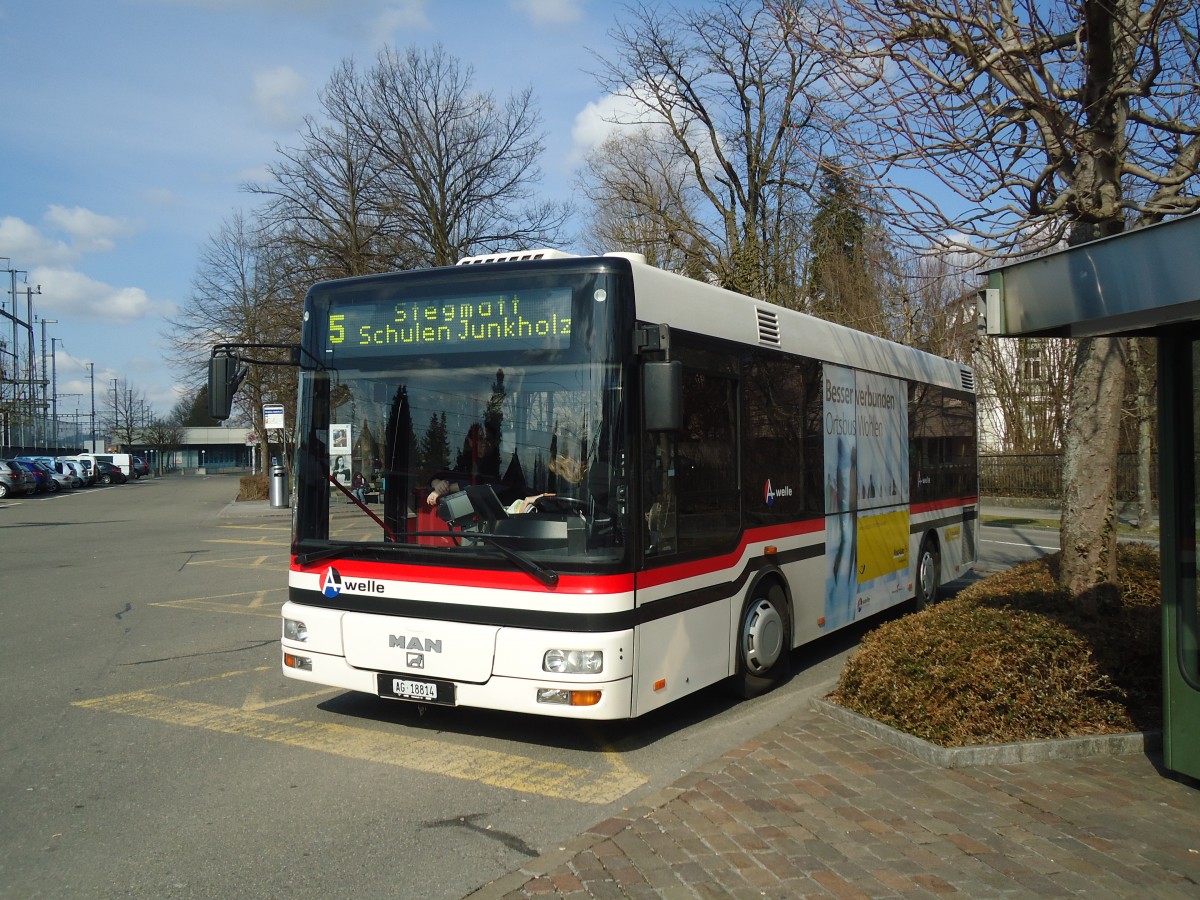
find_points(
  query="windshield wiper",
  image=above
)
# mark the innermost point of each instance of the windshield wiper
(354, 548)
(312, 556)
(546, 576)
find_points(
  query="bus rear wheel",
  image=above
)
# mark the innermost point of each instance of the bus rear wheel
(928, 574)
(764, 642)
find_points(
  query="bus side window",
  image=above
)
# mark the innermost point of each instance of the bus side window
(692, 477)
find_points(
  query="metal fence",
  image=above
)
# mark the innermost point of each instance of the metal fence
(1040, 475)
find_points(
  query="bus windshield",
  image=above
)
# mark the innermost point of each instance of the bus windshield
(478, 450)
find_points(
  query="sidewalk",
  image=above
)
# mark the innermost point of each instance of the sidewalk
(818, 807)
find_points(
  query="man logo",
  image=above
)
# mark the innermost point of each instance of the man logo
(331, 584)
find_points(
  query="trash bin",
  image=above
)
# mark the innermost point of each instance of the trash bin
(278, 488)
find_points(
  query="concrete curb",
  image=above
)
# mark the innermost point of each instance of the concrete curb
(994, 754)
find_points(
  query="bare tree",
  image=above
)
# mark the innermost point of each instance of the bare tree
(1027, 383)
(162, 436)
(459, 166)
(327, 197)
(1047, 120)
(937, 307)
(128, 412)
(725, 96)
(243, 292)
(409, 166)
(641, 199)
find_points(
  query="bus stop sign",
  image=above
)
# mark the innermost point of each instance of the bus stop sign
(273, 415)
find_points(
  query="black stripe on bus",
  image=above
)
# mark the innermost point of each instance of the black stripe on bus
(955, 518)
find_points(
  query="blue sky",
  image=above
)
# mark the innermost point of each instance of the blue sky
(129, 127)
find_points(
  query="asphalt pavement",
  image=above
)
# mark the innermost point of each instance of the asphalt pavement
(830, 804)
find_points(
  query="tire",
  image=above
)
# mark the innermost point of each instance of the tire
(929, 569)
(3, 490)
(52, 486)
(764, 647)
(106, 478)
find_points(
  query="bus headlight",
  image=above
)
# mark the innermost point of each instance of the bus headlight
(295, 630)
(573, 662)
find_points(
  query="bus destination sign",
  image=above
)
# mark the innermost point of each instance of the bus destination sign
(538, 319)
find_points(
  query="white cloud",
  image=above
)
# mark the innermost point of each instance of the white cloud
(89, 232)
(407, 15)
(66, 292)
(599, 120)
(86, 232)
(280, 95)
(549, 12)
(23, 242)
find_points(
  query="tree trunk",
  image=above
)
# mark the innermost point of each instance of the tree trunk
(1144, 406)
(1088, 532)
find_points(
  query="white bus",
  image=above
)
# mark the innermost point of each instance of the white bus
(588, 487)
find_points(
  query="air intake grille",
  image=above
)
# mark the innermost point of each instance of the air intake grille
(515, 256)
(768, 327)
(968, 380)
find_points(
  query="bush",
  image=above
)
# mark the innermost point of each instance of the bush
(254, 487)
(1013, 658)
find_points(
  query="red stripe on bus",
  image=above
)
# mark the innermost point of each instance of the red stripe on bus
(939, 505)
(472, 578)
(710, 564)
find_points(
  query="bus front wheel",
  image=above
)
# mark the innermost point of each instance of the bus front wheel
(764, 642)
(928, 574)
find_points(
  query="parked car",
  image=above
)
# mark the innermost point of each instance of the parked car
(79, 470)
(63, 476)
(140, 467)
(64, 480)
(42, 481)
(67, 472)
(13, 480)
(85, 463)
(107, 473)
(56, 481)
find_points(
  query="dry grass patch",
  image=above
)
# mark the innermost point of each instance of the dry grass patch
(1013, 658)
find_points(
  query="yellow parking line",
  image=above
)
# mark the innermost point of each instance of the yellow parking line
(257, 604)
(261, 561)
(231, 608)
(255, 703)
(501, 770)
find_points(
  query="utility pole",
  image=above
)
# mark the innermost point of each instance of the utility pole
(45, 404)
(12, 316)
(92, 434)
(54, 387)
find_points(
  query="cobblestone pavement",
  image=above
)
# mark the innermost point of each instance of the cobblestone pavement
(817, 807)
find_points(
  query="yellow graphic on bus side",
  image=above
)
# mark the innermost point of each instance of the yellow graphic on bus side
(882, 545)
